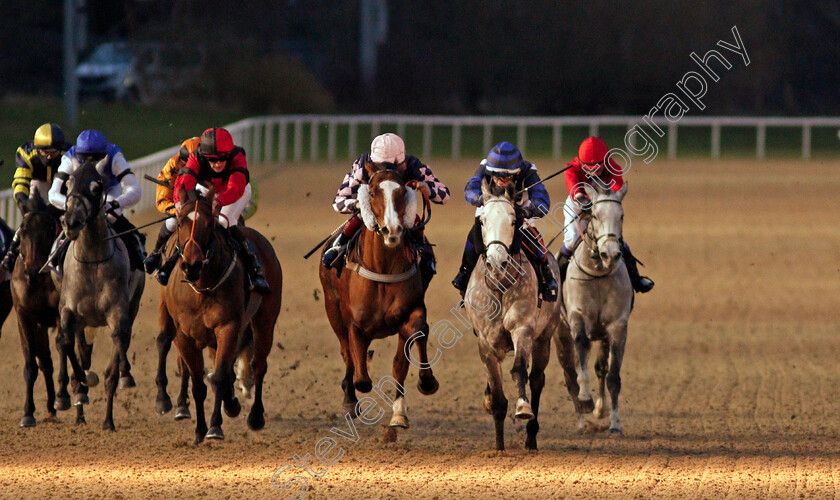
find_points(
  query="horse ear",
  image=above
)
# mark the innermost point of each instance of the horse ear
(622, 192)
(100, 165)
(510, 191)
(371, 167)
(485, 189)
(35, 201)
(182, 194)
(74, 161)
(211, 195)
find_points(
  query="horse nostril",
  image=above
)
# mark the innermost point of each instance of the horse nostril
(386, 231)
(604, 255)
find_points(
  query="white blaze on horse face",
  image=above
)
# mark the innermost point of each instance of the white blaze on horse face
(392, 217)
(609, 220)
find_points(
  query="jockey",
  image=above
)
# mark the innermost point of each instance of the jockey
(386, 150)
(165, 204)
(218, 161)
(122, 190)
(505, 164)
(36, 162)
(589, 164)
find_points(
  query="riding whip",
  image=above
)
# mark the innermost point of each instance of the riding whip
(319, 245)
(138, 227)
(555, 174)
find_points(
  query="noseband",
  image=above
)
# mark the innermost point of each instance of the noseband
(191, 239)
(91, 211)
(377, 228)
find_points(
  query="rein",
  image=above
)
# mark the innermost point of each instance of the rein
(210, 248)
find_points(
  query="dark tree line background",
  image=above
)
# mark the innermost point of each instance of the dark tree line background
(541, 57)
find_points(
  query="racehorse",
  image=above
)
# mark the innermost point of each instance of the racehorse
(598, 298)
(380, 292)
(98, 288)
(6, 235)
(206, 304)
(36, 303)
(503, 306)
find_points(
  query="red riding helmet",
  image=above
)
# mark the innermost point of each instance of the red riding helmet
(592, 153)
(216, 143)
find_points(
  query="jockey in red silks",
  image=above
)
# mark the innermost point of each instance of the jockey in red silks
(590, 160)
(219, 162)
(388, 151)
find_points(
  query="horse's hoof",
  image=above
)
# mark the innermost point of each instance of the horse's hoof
(428, 385)
(127, 382)
(363, 386)
(350, 408)
(215, 432)
(182, 413)
(256, 421)
(81, 399)
(62, 403)
(615, 433)
(163, 406)
(531, 443)
(523, 410)
(233, 408)
(91, 379)
(399, 421)
(80, 420)
(27, 421)
(108, 426)
(586, 405)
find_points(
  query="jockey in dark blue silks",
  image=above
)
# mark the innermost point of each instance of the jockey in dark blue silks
(503, 165)
(121, 188)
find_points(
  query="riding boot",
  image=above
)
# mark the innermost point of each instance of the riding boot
(468, 262)
(165, 269)
(134, 241)
(547, 283)
(154, 260)
(427, 263)
(55, 260)
(336, 250)
(249, 257)
(563, 258)
(11, 256)
(641, 284)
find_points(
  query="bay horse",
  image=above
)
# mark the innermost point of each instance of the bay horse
(380, 292)
(98, 288)
(6, 235)
(35, 299)
(207, 304)
(599, 298)
(503, 306)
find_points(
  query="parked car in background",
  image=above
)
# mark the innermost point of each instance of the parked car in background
(132, 72)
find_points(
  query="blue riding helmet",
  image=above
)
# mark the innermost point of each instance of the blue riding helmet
(91, 142)
(504, 160)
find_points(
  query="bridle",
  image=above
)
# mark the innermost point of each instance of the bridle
(377, 228)
(206, 254)
(91, 211)
(588, 237)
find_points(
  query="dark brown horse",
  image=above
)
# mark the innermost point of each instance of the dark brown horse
(5, 278)
(36, 304)
(206, 304)
(380, 293)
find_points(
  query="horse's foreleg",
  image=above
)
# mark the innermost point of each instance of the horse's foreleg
(498, 402)
(601, 366)
(221, 380)
(427, 383)
(194, 359)
(122, 340)
(582, 346)
(30, 369)
(400, 370)
(541, 355)
(163, 404)
(62, 401)
(523, 339)
(111, 376)
(566, 357)
(358, 351)
(618, 337)
(183, 410)
(67, 336)
(46, 364)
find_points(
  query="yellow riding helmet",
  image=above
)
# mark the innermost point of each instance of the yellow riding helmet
(188, 147)
(49, 135)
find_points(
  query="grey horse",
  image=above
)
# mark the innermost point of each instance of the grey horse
(99, 288)
(598, 298)
(503, 307)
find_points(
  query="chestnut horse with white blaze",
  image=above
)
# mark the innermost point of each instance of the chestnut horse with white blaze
(380, 292)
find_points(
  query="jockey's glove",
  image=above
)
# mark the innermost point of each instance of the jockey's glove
(112, 206)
